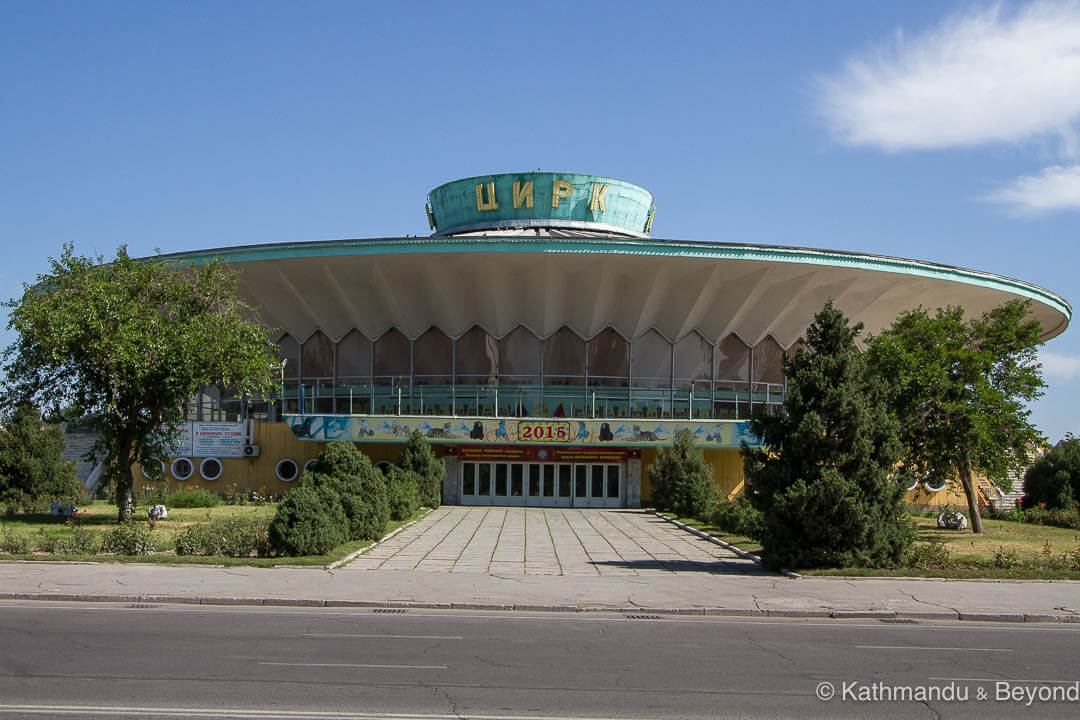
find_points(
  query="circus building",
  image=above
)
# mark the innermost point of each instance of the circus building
(542, 339)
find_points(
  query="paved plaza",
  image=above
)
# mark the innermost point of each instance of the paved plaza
(549, 541)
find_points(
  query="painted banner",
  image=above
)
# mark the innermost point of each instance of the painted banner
(643, 432)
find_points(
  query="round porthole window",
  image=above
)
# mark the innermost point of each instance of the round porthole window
(148, 476)
(287, 470)
(210, 469)
(181, 468)
(934, 483)
(384, 466)
(914, 481)
(310, 464)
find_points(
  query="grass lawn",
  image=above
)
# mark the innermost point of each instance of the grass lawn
(100, 516)
(1006, 550)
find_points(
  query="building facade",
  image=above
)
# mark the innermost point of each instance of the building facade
(543, 341)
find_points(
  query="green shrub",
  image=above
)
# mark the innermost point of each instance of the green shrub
(682, 480)
(418, 457)
(127, 539)
(928, 556)
(739, 517)
(309, 521)
(1063, 518)
(83, 541)
(359, 485)
(229, 536)
(192, 498)
(402, 493)
(15, 544)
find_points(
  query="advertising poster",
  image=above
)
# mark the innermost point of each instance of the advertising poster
(224, 440)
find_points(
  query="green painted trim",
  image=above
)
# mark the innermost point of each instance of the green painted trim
(625, 246)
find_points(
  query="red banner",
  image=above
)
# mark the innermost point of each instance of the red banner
(530, 453)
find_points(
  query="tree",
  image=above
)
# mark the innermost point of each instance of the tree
(823, 479)
(130, 341)
(682, 480)
(32, 465)
(418, 457)
(1054, 479)
(961, 388)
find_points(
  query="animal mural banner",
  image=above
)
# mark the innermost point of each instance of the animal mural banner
(643, 432)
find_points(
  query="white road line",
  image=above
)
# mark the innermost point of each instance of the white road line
(354, 665)
(120, 710)
(930, 647)
(376, 635)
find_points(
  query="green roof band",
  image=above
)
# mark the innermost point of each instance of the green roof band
(540, 199)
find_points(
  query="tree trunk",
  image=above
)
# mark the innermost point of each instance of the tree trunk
(125, 501)
(964, 466)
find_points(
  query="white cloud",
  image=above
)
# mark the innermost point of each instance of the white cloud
(1062, 367)
(984, 77)
(1055, 188)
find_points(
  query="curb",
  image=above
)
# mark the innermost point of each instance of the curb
(357, 553)
(726, 545)
(554, 608)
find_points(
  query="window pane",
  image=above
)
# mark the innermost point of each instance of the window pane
(693, 361)
(579, 480)
(318, 357)
(650, 361)
(549, 480)
(534, 480)
(564, 481)
(564, 358)
(392, 358)
(354, 359)
(732, 360)
(768, 362)
(519, 357)
(433, 358)
(475, 356)
(608, 359)
(484, 470)
(500, 480)
(289, 350)
(515, 479)
(613, 481)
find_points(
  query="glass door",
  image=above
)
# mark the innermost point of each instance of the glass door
(532, 487)
(517, 484)
(501, 486)
(562, 492)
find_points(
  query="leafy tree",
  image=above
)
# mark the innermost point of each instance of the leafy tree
(418, 457)
(961, 389)
(129, 342)
(31, 459)
(1054, 479)
(823, 479)
(682, 480)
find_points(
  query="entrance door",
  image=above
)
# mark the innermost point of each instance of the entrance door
(501, 486)
(517, 484)
(562, 491)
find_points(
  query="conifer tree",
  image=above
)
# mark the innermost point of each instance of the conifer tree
(824, 479)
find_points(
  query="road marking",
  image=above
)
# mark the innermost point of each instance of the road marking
(354, 665)
(405, 637)
(930, 647)
(120, 710)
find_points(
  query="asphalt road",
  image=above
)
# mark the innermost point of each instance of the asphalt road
(99, 660)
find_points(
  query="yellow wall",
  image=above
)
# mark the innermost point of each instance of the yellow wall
(726, 467)
(276, 442)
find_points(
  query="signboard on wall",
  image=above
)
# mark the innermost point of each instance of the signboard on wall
(209, 439)
(643, 432)
(533, 453)
(215, 439)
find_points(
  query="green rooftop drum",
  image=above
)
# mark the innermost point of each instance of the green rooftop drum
(540, 200)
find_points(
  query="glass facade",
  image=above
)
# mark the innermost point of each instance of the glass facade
(523, 375)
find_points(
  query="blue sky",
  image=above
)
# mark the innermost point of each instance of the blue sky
(933, 130)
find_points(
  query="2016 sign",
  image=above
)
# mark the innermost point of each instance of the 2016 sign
(539, 431)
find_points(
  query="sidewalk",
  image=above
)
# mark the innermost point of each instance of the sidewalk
(676, 587)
